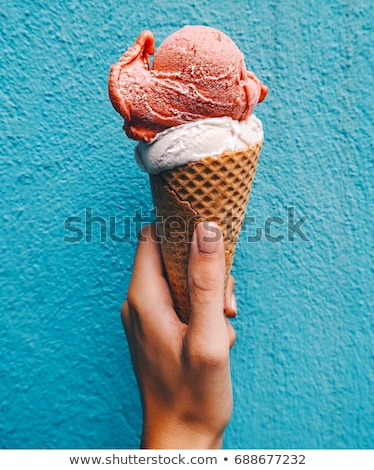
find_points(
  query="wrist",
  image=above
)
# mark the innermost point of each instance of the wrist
(173, 433)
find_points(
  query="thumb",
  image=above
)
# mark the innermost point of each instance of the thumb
(206, 280)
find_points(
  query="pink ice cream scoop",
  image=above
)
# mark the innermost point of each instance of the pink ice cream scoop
(198, 72)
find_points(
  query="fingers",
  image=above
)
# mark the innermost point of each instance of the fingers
(147, 276)
(149, 295)
(148, 260)
(125, 313)
(231, 333)
(206, 278)
(149, 306)
(230, 309)
(230, 300)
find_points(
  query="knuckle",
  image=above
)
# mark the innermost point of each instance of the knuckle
(125, 310)
(232, 336)
(146, 233)
(206, 356)
(125, 315)
(202, 282)
(132, 306)
(132, 297)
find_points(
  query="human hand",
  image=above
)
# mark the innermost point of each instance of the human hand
(183, 371)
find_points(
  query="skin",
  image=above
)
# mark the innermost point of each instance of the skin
(183, 371)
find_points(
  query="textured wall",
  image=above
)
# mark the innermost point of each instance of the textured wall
(303, 363)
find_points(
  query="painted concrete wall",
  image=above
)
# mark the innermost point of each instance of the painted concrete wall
(303, 363)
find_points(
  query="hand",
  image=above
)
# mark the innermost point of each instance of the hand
(183, 371)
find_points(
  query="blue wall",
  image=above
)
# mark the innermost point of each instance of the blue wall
(303, 362)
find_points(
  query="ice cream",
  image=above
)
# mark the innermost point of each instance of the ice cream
(193, 141)
(192, 113)
(198, 72)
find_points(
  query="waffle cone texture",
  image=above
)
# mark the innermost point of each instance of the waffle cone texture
(213, 188)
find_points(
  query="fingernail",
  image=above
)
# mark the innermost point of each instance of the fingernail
(231, 310)
(233, 303)
(208, 235)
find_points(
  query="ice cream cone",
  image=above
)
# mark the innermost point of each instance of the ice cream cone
(213, 188)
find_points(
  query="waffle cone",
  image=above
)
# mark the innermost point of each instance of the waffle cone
(215, 189)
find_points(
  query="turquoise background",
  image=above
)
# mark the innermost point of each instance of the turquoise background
(303, 363)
